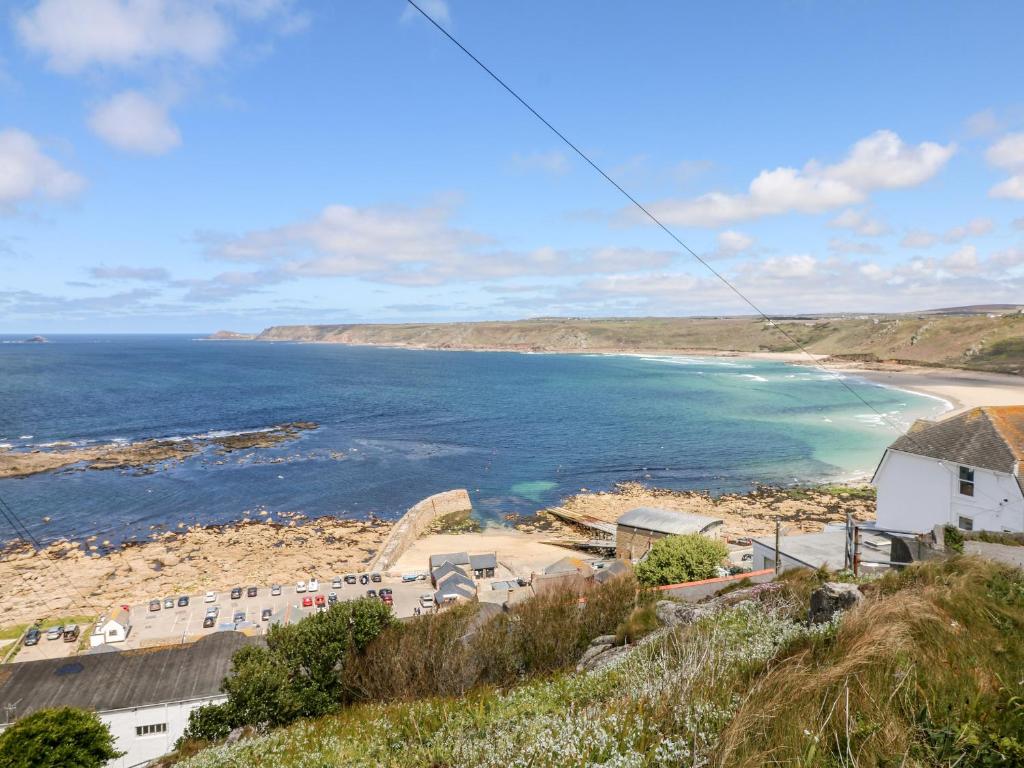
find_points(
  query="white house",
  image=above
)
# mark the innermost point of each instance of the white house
(145, 696)
(964, 470)
(114, 629)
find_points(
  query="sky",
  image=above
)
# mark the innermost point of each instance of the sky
(194, 165)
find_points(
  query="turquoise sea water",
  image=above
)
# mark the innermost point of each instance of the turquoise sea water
(519, 431)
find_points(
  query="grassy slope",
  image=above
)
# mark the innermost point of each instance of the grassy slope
(981, 342)
(927, 671)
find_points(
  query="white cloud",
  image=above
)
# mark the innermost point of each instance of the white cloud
(973, 228)
(135, 123)
(879, 161)
(798, 265)
(839, 245)
(1008, 154)
(76, 34)
(411, 246)
(25, 171)
(918, 238)
(436, 8)
(962, 261)
(145, 274)
(734, 242)
(553, 162)
(860, 222)
(984, 123)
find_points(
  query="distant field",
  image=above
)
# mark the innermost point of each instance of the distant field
(977, 342)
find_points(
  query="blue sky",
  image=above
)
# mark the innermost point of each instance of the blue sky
(187, 165)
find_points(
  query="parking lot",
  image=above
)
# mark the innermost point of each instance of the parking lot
(184, 624)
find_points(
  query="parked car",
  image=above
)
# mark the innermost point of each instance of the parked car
(375, 578)
(209, 621)
(350, 578)
(307, 601)
(408, 577)
(332, 598)
(265, 614)
(313, 585)
(364, 579)
(213, 610)
(168, 602)
(211, 597)
(320, 600)
(183, 601)
(236, 592)
(300, 586)
(154, 605)
(55, 633)
(427, 600)
(71, 633)
(32, 636)
(371, 593)
(251, 592)
(239, 617)
(385, 591)
(336, 582)
(387, 599)
(275, 590)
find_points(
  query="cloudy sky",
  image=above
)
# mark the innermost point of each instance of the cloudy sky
(188, 165)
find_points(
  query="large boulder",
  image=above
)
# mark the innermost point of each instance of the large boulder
(832, 597)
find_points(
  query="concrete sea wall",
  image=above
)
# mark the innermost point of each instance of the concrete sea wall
(417, 520)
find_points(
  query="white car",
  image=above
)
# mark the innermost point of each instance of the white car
(314, 585)
(211, 597)
(275, 590)
(300, 586)
(427, 600)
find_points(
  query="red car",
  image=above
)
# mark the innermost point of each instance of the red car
(307, 602)
(320, 601)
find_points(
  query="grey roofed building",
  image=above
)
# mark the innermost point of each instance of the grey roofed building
(487, 561)
(444, 570)
(123, 679)
(990, 437)
(814, 550)
(612, 569)
(456, 578)
(455, 558)
(569, 564)
(667, 521)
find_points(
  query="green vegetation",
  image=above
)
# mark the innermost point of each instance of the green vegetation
(678, 559)
(964, 341)
(925, 672)
(456, 522)
(14, 631)
(845, 492)
(953, 538)
(57, 738)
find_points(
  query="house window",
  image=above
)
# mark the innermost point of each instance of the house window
(149, 730)
(966, 481)
(965, 524)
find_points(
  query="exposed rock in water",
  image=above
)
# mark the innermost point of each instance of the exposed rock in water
(230, 336)
(36, 340)
(832, 597)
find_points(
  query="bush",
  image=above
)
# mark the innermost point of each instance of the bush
(297, 673)
(58, 738)
(678, 559)
(953, 539)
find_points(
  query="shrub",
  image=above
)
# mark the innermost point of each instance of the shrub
(60, 737)
(678, 559)
(953, 539)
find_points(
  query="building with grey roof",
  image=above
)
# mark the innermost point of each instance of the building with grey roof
(453, 588)
(455, 558)
(815, 550)
(638, 529)
(444, 570)
(483, 565)
(964, 470)
(144, 695)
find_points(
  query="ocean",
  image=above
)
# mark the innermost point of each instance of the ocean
(520, 431)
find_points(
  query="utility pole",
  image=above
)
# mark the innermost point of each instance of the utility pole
(778, 555)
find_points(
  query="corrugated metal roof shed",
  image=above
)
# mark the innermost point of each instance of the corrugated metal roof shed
(667, 521)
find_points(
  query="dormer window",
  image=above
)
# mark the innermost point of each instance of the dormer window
(966, 481)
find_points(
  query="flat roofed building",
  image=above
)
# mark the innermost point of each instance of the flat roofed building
(637, 530)
(144, 695)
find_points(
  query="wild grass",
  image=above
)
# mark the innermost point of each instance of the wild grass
(925, 672)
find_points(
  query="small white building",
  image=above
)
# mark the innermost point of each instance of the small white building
(145, 696)
(114, 629)
(964, 471)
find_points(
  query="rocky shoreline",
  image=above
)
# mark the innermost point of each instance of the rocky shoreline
(144, 454)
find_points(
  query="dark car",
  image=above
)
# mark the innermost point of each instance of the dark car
(332, 598)
(236, 593)
(364, 579)
(350, 579)
(183, 601)
(251, 592)
(209, 621)
(375, 578)
(239, 617)
(265, 614)
(371, 593)
(32, 636)
(385, 592)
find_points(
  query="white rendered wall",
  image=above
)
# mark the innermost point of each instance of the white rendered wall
(140, 749)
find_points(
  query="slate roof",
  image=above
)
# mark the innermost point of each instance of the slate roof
(488, 560)
(130, 678)
(614, 568)
(455, 558)
(667, 521)
(990, 437)
(456, 579)
(569, 564)
(445, 570)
